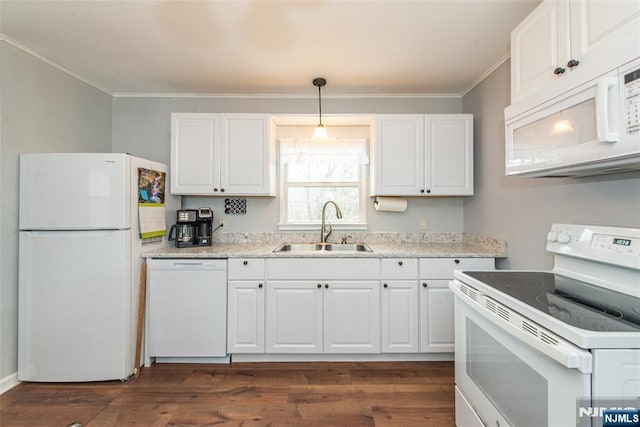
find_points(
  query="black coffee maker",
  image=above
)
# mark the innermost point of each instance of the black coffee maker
(192, 228)
(204, 225)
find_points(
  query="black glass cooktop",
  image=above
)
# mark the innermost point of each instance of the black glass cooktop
(574, 302)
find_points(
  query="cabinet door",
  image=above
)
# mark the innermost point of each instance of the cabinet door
(398, 155)
(246, 317)
(399, 316)
(436, 317)
(604, 34)
(352, 317)
(247, 160)
(449, 154)
(195, 153)
(539, 45)
(294, 317)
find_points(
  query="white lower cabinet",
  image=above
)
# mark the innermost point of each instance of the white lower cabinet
(341, 305)
(246, 317)
(436, 300)
(294, 317)
(399, 297)
(352, 317)
(246, 305)
(399, 316)
(436, 317)
(323, 306)
(323, 317)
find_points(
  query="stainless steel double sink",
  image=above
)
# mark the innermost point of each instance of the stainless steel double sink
(318, 247)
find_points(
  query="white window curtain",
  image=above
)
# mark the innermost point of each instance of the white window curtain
(294, 150)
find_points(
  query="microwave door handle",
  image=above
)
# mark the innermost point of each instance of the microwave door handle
(603, 128)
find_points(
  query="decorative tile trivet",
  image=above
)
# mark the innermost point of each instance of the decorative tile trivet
(235, 206)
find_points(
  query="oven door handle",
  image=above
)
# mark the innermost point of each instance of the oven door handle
(558, 349)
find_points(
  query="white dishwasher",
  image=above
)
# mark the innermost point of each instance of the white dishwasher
(187, 309)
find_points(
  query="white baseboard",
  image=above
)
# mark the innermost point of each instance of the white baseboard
(9, 382)
(225, 359)
(324, 357)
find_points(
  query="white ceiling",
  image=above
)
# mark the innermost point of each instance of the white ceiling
(392, 47)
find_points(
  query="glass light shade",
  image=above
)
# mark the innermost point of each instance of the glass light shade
(320, 133)
(561, 127)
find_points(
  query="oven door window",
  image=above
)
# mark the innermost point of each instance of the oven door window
(512, 385)
(508, 382)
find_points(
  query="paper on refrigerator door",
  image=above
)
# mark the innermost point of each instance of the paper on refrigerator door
(151, 206)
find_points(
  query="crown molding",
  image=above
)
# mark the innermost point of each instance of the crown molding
(51, 62)
(66, 70)
(487, 73)
(288, 96)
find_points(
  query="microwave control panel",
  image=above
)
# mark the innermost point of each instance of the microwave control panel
(632, 101)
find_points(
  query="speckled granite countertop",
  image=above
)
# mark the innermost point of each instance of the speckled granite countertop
(383, 245)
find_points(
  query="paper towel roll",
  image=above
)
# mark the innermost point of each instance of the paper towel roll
(390, 204)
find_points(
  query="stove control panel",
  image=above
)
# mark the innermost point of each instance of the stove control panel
(612, 245)
(620, 245)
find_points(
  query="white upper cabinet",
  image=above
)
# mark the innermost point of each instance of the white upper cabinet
(540, 48)
(423, 155)
(222, 155)
(562, 44)
(449, 154)
(398, 155)
(247, 165)
(195, 153)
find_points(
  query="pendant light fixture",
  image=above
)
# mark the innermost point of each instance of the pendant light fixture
(320, 132)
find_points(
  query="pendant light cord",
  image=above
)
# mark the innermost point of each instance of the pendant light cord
(319, 82)
(320, 104)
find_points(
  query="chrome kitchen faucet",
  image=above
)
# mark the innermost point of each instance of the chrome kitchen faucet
(324, 236)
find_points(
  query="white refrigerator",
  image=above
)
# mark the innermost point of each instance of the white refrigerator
(79, 265)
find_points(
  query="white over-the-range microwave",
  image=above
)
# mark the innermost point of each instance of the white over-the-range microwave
(591, 129)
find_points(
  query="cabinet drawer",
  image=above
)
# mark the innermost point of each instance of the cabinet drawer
(399, 268)
(442, 268)
(323, 269)
(246, 269)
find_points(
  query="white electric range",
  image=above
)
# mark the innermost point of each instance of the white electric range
(557, 348)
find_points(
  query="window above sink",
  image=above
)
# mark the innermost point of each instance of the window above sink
(312, 172)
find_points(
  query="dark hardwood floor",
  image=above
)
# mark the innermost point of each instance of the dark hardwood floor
(247, 394)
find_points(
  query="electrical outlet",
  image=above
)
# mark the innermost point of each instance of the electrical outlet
(423, 224)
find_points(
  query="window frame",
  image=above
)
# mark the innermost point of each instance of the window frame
(361, 184)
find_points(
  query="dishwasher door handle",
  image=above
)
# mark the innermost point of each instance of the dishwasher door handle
(189, 265)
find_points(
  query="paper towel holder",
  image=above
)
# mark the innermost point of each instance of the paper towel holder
(385, 202)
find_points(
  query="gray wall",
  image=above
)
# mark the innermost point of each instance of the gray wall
(43, 110)
(521, 210)
(142, 127)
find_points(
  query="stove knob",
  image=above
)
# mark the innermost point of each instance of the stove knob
(552, 236)
(564, 238)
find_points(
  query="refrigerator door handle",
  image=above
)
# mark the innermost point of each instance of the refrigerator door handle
(72, 233)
